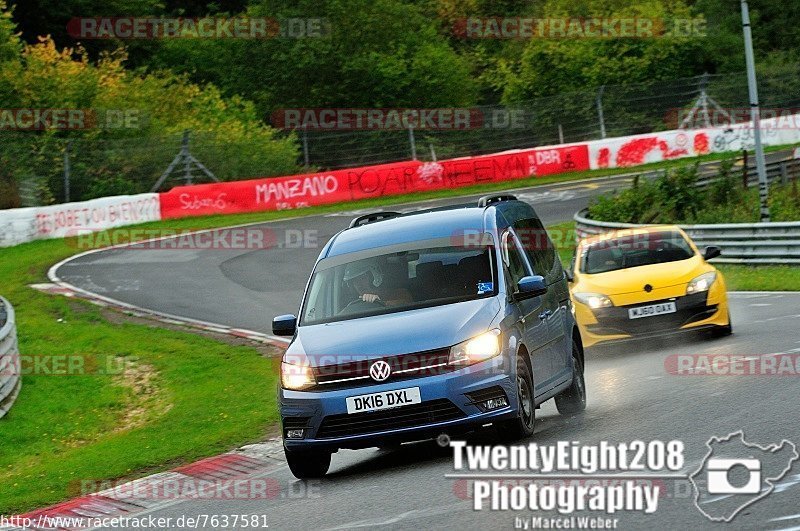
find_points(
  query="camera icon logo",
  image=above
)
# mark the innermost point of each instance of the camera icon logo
(736, 473)
(718, 480)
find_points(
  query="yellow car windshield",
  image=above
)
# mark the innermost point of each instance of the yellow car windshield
(634, 251)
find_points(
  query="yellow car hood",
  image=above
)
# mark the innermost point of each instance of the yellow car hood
(633, 279)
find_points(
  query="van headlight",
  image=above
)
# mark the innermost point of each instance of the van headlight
(593, 300)
(701, 283)
(479, 348)
(297, 373)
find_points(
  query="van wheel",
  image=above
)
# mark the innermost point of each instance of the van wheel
(308, 465)
(572, 400)
(523, 425)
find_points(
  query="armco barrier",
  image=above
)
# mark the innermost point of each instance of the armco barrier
(22, 225)
(281, 193)
(10, 368)
(298, 191)
(781, 167)
(622, 152)
(741, 243)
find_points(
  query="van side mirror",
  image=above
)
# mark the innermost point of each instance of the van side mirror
(712, 251)
(284, 325)
(531, 286)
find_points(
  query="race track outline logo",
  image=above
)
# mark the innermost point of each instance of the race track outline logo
(717, 496)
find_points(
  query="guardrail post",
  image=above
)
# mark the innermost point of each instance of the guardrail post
(600, 116)
(412, 142)
(745, 176)
(306, 159)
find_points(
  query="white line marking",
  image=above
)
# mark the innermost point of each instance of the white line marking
(781, 518)
(416, 513)
(53, 276)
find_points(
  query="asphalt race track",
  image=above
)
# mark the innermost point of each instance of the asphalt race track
(245, 288)
(631, 393)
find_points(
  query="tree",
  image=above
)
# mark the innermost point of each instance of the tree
(381, 53)
(108, 158)
(555, 65)
(9, 42)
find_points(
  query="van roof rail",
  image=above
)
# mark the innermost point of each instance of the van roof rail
(489, 199)
(373, 217)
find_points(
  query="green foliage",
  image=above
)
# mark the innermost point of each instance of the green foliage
(381, 53)
(9, 42)
(776, 36)
(232, 140)
(403, 53)
(673, 198)
(549, 66)
(662, 200)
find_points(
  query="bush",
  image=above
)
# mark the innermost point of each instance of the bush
(674, 198)
(9, 192)
(231, 139)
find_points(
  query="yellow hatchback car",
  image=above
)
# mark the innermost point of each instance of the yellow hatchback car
(648, 281)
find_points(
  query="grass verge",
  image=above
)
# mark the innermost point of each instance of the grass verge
(167, 397)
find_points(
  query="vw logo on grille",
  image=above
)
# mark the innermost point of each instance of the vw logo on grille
(648, 288)
(380, 371)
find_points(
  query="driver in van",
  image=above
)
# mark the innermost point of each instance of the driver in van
(366, 279)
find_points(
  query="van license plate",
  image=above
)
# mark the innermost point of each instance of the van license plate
(384, 400)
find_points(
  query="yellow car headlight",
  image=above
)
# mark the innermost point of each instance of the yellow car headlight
(593, 300)
(479, 348)
(701, 283)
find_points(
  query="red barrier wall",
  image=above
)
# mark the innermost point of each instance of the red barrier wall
(298, 191)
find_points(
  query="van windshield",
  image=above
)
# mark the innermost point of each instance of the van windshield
(634, 251)
(406, 279)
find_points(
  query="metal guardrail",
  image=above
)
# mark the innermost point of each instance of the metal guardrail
(741, 243)
(10, 368)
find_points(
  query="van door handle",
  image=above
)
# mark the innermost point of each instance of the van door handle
(545, 315)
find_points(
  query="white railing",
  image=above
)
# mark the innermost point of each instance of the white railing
(10, 368)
